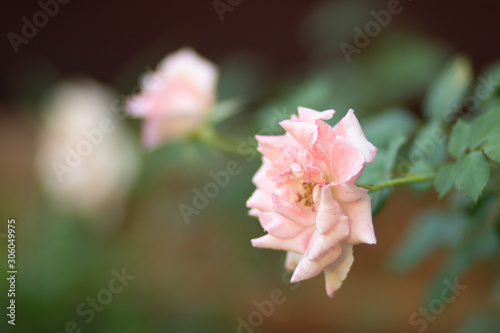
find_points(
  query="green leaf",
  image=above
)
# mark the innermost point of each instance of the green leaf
(472, 173)
(449, 89)
(459, 138)
(445, 179)
(489, 82)
(485, 127)
(492, 149)
(428, 146)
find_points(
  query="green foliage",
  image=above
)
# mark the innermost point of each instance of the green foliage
(472, 172)
(448, 90)
(445, 179)
(459, 139)
(492, 150)
(490, 80)
(389, 145)
(485, 127)
(399, 120)
(380, 170)
(471, 144)
(477, 241)
(429, 144)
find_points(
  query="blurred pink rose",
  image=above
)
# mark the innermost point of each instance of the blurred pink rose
(306, 198)
(176, 99)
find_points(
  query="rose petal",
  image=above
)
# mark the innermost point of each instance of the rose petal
(297, 244)
(262, 178)
(320, 245)
(310, 115)
(360, 219)
(336, 273)
(279, 226)
(296, 213)
(307, 269)
(304, 133)
(329, 211)
(269, 146)
(292, 260)
(346, 160)
(349, 193)
(254, 212)
(350, 129)
(260, 200)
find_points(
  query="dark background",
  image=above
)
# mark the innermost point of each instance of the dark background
(101, 38)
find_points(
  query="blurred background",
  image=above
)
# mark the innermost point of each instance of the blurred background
(204, 276)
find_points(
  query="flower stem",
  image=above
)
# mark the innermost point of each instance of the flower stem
(398, 181)
(210, 137)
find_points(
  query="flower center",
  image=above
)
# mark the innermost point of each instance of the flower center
(305, 195)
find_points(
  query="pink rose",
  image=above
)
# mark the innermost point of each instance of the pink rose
(176, 99)
(306, 199)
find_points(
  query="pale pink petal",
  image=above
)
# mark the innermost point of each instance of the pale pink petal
(307, 269)
(329, 211)
(175, 99)
(360, 219)
(350, 129)
(263, 177)
(138, 106)
(346, 160)
(260, 200)
(269, 146)
(304, 133)
(254, 212)
(174, 126)
(187, 64)
(296, 244)
(297, 170)
(349, 193)
(336, 273)
(292, 260)
(326, 135)
(278, 226)
(320, 245)
(297, 213)
(301, 164)
(322, 159)
(310, 115)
